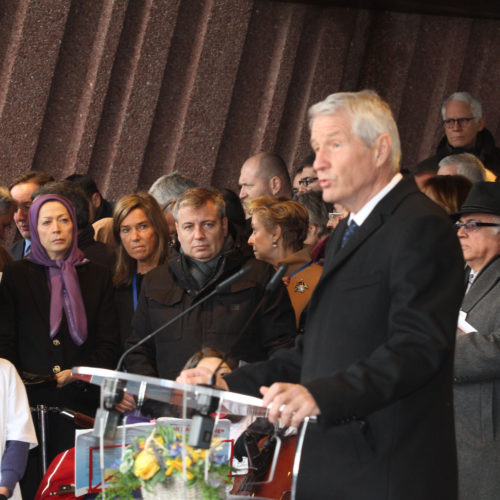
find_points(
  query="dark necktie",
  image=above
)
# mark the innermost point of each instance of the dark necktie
(350, 230)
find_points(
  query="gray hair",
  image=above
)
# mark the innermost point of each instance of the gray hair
(7, 203)
(468, 165)
(475, 105)
(169, 187)
(317, 209)
(496, 218)
(370, 117)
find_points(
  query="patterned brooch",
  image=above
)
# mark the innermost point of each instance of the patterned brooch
(301, 286)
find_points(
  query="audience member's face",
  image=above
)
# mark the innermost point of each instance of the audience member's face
(212, 363)
(138, 236)
(344, 164)
(55, 229)
(481, 245)
(309, 180)
(5, 220)
(462, 136)
(201, 232)
(22, 194)
(447, 170)
(261, 241)
(252, 183)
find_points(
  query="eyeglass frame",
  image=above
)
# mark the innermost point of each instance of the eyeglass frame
(307, 180)
(472, 226)
(462, 122)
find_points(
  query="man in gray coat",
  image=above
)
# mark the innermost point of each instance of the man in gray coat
(477, 354)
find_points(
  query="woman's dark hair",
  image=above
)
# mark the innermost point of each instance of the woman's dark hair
(448, 191)
(208, 352)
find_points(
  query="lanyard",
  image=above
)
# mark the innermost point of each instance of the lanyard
(134, 289)
(298, 270)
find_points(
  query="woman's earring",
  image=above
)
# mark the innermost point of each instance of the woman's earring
(275, 244)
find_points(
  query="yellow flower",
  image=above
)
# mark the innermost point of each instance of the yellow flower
(197, 454)
(176, 464)
(146, 466)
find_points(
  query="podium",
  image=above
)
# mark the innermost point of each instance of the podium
(180, 400)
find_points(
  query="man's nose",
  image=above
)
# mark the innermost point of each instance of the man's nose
(198, 233)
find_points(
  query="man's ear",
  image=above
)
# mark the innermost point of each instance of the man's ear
(225, 226)
(382, 149)
(96, 200)
(480, 124)
(275, 185)
(312, 230)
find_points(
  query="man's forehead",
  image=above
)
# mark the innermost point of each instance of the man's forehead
(250, 168)
(23, 189)
(208, 211)
(460, 106)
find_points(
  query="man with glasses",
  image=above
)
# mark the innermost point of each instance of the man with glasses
(309, 180)
(477, 351)
(463, 125)
(21, 190)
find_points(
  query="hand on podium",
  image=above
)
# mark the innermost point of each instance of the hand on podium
(289, 403)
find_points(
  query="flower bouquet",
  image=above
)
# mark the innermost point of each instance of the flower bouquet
(154, 464)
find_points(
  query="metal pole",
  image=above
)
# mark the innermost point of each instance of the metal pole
(41, 411)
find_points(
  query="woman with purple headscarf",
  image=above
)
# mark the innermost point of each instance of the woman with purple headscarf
(56, 311)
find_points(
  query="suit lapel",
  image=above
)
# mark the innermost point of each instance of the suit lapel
(482, 285)
(336, 255)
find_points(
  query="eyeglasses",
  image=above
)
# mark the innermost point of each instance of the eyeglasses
(307, 180)
(472, 226)
(461, 122)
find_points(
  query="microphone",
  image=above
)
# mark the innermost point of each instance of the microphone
(276, 279)
(229, 282)
(271, 286)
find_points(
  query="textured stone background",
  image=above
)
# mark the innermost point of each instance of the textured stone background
(130, 90)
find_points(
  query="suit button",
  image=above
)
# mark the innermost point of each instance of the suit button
(56, 342)
(56, 368)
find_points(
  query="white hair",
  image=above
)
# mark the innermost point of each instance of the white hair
(475, 105)
(370, 117)
(468, 165)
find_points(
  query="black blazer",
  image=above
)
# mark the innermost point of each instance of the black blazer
(377, 356)
(16, 250)
(24, 328)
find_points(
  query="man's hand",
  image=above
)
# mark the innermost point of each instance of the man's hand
(126, 404)
(289, 403)
(201, 376)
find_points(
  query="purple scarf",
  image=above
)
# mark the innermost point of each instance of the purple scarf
(64, 286)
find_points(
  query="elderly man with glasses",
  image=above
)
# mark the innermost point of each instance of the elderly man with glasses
(463, 125)
(477, 354)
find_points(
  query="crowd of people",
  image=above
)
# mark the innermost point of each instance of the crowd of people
(384, 327)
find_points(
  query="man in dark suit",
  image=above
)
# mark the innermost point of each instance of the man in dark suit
(477, 354)
(21, 190)
(375, 363)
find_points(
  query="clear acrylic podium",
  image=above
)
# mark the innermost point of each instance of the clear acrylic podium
(180, 400)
